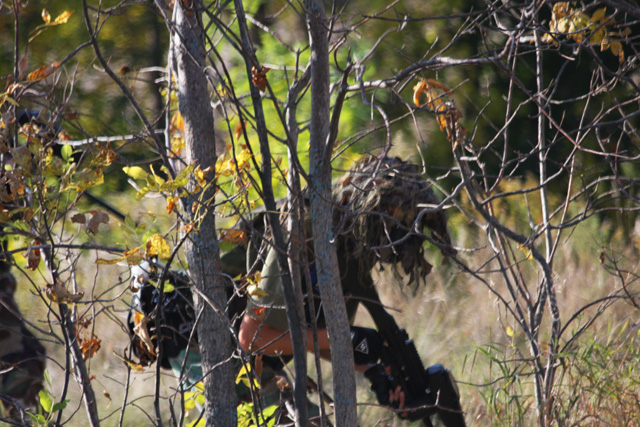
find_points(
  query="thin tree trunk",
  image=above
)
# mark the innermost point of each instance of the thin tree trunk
(202, 251)
(294, 309)
(344, 385)
(79, 367)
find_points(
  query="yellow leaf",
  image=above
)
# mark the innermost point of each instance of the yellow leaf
(563, 25)
(46, 16)
(509, 331)
(177, 145)
(598, 14)
(256, 292)
(88, 178)
(135, 366)
(254, 278)
(63, 17)
(6, 98)
(243, 159)
(102, 261)
(597, 37)
(190, 401)
(156, 179)
(243, 376)
(135, 172)
(527, 251)
(201, 174)
(560, 9)
(418, 90)
(157, 246)
(547, 38)
(177, 123)
(616, 49)
(134, 256)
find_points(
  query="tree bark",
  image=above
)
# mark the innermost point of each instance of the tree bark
(201, 248)
(344, 385)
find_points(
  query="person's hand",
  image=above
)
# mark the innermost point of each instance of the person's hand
(397, 399)
(367, 345)
(380, 383)
(383, 388)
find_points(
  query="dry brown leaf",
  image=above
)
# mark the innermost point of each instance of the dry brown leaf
(43, 72)
(33, 257)
(89, 347)
(59, 293)
(79, 218)
(98, 217)
(239, 130)
(23, 64)
(259, 78)
(171, 204)
(139, 368)
(141, 330)
(233, 236)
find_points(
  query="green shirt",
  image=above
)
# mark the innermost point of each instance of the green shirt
(271, 308)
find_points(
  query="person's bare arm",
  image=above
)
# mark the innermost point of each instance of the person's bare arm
(277, 342)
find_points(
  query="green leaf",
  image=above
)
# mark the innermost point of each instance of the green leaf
(129, 222)
(45, 400)
(151, 181)
(66, 152)
(38, 419)
(268, 413)
(60, 405)
(47, 377)
(147, 235)
(183, 176)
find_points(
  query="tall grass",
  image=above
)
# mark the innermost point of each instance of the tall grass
(454, 320)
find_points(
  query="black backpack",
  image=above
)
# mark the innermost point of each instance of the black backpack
(172, 309)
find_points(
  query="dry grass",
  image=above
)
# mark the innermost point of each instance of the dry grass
(454, 320)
